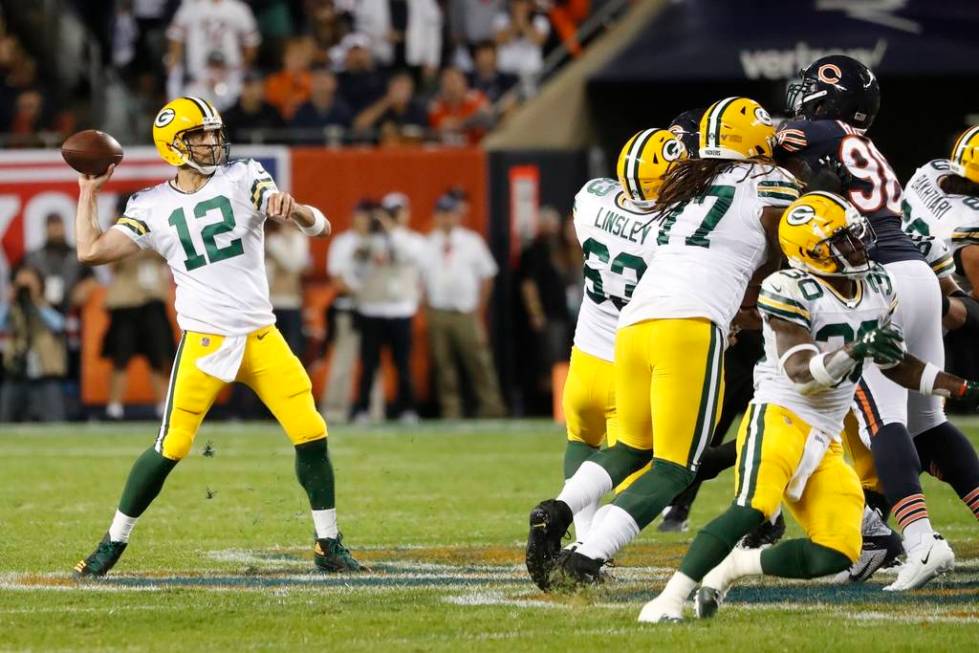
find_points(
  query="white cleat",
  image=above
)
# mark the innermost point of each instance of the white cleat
(924, 562)
(661, 610)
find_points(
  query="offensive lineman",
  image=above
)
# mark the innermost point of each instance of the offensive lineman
(614, 224)
(208, 223)
(822, 320)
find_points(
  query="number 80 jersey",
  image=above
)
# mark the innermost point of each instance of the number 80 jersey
(832, 321)
(214, 242)
(617, 239)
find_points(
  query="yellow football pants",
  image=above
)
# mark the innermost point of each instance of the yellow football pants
(860, 455)
(268, 367)
(669, 381)
(589, 404)
(770, 445)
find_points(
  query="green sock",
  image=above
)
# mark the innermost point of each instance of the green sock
(145, 482)
(645, 499)
(315, 474)
(716, 540)
(575, 454)
(620, 461)
(802, 559)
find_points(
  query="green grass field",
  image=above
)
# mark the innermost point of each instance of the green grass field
(223, 560)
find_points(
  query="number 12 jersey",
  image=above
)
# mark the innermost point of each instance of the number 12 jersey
(214, 242)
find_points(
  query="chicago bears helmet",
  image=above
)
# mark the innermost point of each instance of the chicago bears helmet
(835, 87)
(686, 127)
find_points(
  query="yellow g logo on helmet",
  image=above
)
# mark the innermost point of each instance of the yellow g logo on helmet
(644, 161)
(824, 234)
(177, 117)
(736, 128)
(965, 155)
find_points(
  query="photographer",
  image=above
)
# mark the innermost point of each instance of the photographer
(34, 356)
(388, 300)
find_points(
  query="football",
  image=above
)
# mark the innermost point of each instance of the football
(91, 152)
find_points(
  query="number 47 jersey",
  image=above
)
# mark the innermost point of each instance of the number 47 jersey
(617, 239)
(214, 242)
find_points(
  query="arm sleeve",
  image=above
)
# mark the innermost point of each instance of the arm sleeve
(781, 297)
(259, 185)
(777, 188)
(134, 224)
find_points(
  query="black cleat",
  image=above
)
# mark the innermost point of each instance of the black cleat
(330, 555)
(706, 602)
(104, 558)
(573, 570)
(549, 521)
(675, 519)
(765, 534)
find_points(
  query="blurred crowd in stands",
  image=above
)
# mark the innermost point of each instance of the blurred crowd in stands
(384, 275)
(391, 72)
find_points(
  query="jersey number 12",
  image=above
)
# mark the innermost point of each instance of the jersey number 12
(194, 260)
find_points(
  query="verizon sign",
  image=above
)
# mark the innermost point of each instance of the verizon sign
(786, 63)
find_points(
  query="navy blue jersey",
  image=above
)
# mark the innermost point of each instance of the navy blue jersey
(867, 179)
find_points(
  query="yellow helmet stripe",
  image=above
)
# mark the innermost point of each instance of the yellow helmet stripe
(959, 150)
(714, 121)
(635, 156)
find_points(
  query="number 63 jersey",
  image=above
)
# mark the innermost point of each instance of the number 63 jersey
(617, 239)
(832, 321)
(214, 242)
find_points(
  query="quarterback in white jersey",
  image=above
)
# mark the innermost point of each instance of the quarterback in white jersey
(823, 320)
(208, 223)
(713, 215)
(615, 225)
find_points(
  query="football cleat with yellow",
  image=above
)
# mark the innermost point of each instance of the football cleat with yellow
(104, 558)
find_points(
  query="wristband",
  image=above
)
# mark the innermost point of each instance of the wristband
(829, 369)
(926, 385)
(791, 351)
(319, 223)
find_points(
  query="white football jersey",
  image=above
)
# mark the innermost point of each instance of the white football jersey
(805, 300)
(930, 211)
(214, 242)
(617, 239)
(708, 249)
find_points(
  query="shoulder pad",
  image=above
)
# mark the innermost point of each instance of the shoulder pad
(787, 295)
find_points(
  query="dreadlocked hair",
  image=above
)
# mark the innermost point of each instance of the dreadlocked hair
(957, 185)
(690, 179)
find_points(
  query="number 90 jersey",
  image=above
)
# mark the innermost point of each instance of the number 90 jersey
(617, 240)
(804, 300)
(707, 249)
(214, 242)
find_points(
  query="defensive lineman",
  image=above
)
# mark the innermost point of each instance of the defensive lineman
(208, 223)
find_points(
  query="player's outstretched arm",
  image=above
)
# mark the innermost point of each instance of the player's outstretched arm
(312, 222)
(93, 246)
(928, 379)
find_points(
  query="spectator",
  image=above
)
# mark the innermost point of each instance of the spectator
(458, 282)
(138, 326)
(473, 21)
(459, 111)
(288, 88)
(346, 263)
(219, 84)
(398, 110)
(520, 35)
(67, 286)
(323, 108)
(327, 26)
(567, 16)
(286, 257)
(387, 301)
(486, 76)
(202, 26)
(550, 267)
(361, 84)
(403, 33)
(34, 358)
(251, 111)
(29, 119)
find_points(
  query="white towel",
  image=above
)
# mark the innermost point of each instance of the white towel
(816, 445)
(223, 363)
